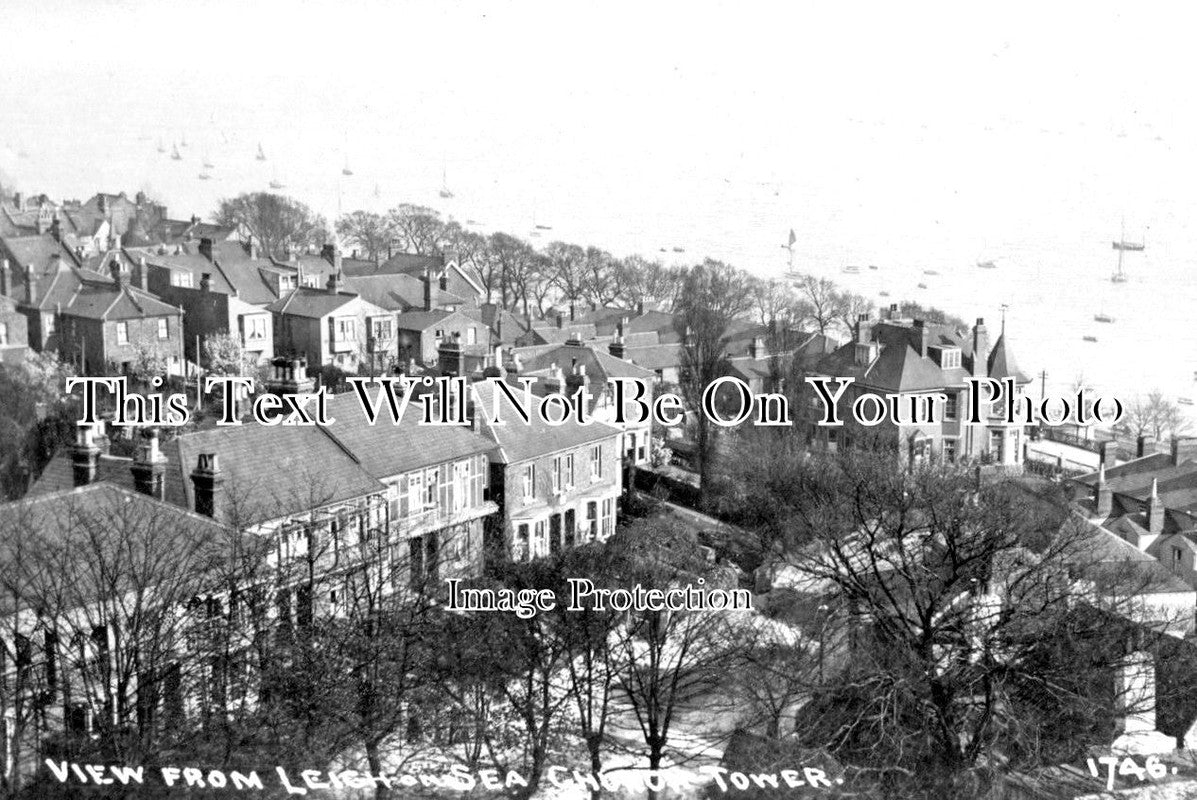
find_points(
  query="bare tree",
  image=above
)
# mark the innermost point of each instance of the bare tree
(823, 301)
(567, 270)
(276, 222)
(368, 231)
(713, 295)
(417, 229)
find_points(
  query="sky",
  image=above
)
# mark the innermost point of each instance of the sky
(911, 136)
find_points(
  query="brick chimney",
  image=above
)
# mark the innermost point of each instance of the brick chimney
(5, 279)
(30, 286)
(618, 347)
(143, 275)
(120, 276)
(443, 282)
(336, 282)
(756, 349)
(980, 349)
(575, 380)
(1183, 449)
(922, 337)
(1155, 509)
(1144, 446)
(289, 376)
(56, 229)
(149, 466)
(427, 289)
(206, 282)
(208, 480)
(205, 248)
(1108, 452)
(332, 254)
(1103, 494)
(513, 368)
(863, 327)
(84, 454)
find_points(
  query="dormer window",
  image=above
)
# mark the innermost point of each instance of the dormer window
(865, 353)
(946, 357)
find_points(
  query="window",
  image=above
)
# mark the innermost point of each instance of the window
(471, 335)
(568, 479)
(51, 323)
(540, 544)
(1177, 555)
(415, 493)
(608, 518)
(596, 462)
(163, 327)
(182, 279)
(122, 333)
(255, 330)
(555, 534)
(346, 329)
(592, 522)
(440, 333)
(949, 449)
(382, 328)
(522, 545)
(431, 487)
(3, 333)
(423, 554)
(951, 409)
(529, 481)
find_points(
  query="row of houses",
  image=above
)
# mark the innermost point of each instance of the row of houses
(318, 513)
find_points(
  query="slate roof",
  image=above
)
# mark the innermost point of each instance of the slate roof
(654, 357)
(59, 474)
(100, 299)
(422, 320)
(400, 263)
(308, 302)
(57, 517)
(1001, 363)
(270, 472)
(519, 442)
(1117, 566)
(386, 449)
(399, 292)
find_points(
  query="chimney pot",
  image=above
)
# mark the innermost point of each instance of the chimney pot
(208, 481)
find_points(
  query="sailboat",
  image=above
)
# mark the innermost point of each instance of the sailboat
(346, 170)
(175, 155)
(1102, 316)
(445, 193)
(986, 265)
(203, 176)
(1124, 246)
(161, 147)
(208, 164)
(261, 153)
(275, 184)
(183, 142)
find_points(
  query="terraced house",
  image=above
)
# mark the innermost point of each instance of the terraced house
(556, 486)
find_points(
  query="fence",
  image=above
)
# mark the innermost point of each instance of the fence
(1051, 466)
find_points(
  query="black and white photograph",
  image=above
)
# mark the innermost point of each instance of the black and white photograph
(597, 401)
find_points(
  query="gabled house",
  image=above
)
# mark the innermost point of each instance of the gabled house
(421, 333)
(565, 367)
(223, 286)
(915, 359)
(42, 277)
(445, 271)
(108, 326)
(437, 485)
(556, 486)
(334, 327)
